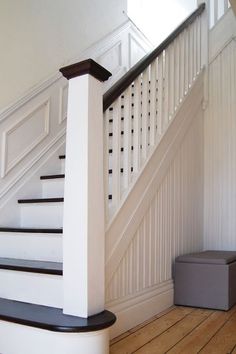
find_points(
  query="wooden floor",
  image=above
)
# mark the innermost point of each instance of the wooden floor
(181, 330)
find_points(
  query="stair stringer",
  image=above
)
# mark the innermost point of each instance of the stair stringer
(132, 302)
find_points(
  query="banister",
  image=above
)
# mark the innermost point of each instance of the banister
(117, 89)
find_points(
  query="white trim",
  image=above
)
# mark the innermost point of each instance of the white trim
(135, 309)
(33, 92)
(23, 171)
(5, 167)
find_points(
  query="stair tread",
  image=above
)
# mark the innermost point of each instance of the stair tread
(62, 175)
(41, 200)
(31, 230)
(25, 265)
(51, 318)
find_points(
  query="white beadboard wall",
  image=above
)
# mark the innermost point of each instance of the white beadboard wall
(220, 152)
(172, 225)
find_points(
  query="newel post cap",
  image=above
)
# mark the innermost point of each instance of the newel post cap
(88, 66)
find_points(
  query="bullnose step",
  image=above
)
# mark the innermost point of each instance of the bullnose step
(52, 319)
(23, 265)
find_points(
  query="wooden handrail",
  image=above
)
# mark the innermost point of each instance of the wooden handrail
(117, 89)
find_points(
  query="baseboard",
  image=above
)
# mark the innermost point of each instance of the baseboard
(136, 309)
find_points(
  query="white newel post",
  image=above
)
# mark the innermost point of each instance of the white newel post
(83, 224)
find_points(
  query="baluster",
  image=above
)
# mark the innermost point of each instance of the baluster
(171, 83)
(186, 61)
(153, 103)
(106, 161)
(181, 67)
(198, 45)
(137, 124)
(127, 138)
(194, 25)
(144, 132)
(190, 55)
(215, 11)
(116, 145)
(166, 91)
(225, 5)
(177, 72)
(160, 111)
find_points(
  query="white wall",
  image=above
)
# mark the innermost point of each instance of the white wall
(220, 153)
(38, 37)
(156, 18)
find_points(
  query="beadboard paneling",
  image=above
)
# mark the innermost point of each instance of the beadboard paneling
(220, 152)
(172, 225)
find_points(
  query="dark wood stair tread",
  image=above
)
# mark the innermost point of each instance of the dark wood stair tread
(52, 319)
(23, 265)
(31, 230)
(52, 176)
(41, 200)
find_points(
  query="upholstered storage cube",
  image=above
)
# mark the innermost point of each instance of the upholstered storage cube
(206, 279)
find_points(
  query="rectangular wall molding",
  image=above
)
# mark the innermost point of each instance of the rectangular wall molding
(24, 135)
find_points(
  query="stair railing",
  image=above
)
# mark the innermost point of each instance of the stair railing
(137, 111)
(140, 106)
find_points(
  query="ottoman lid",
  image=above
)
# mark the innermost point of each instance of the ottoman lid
(209, 257)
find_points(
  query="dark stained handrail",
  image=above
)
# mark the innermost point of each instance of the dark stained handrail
(118, 88)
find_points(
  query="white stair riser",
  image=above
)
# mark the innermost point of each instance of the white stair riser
(63, 163)
(42, 215)
(33, 246)
(53, 188)
(42, 289)
(18, 339)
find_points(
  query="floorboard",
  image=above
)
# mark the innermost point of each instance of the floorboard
(182, 330)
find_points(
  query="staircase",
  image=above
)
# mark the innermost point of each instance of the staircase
(93, 217)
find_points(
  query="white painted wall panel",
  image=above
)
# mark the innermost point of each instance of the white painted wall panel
(220, 152)
(38, 37)
(173, 224)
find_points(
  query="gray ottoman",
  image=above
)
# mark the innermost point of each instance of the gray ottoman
(206, 279)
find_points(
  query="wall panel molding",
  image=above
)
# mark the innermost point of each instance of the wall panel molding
(17, 136)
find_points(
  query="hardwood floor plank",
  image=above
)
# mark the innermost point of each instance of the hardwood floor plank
(202, 334)
(163, 342)
(137, 339)
(225, 339)
(143, 324)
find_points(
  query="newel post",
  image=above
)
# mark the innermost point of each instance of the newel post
(83, 224)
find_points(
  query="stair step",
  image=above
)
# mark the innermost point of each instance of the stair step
(32, 230)
(33, 244)
(62, 175)
(52, 319)
(41, 200)
(22, 265)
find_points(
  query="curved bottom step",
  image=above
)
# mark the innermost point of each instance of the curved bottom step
(40, 329)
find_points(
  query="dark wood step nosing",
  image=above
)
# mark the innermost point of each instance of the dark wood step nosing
(41, 200)
(30, 266)
(52, 319)
(62, 175)
(31, 230)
